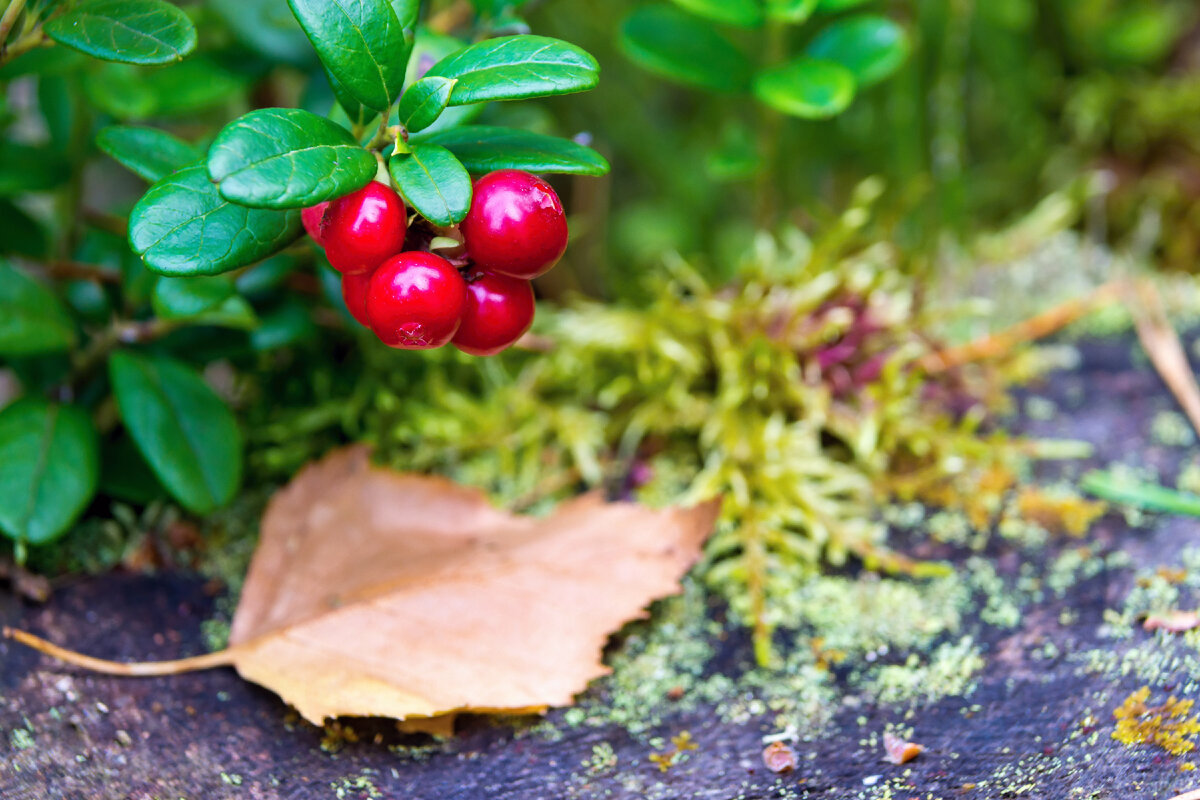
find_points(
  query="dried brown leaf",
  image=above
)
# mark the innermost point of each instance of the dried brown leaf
(1172, 621)
(375, 593)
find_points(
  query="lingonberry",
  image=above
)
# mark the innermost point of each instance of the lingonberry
(363, 228)
(499, 309)
(354, 292)
(516, 225)
(313, 218)
(415, 301)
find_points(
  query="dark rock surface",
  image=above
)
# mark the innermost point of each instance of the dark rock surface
(1036, 726)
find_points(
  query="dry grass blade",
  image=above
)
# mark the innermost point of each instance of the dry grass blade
(1039, 326)
(1164, 348)
(1194, 794)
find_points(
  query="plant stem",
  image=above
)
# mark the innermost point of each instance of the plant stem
(221, 658)
(770, 128)
(15, 7)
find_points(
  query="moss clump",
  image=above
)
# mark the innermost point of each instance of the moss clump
(801, 393)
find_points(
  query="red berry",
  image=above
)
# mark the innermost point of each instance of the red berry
(499, 310)
(354, 292)
(516, 225)
(313, 218)
(415, 301)
(364, 228)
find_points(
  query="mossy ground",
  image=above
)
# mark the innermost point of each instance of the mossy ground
(1008, 670)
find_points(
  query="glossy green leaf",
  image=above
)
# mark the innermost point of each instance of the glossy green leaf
(24, 168)
(870, 46)
(186, 434)
(356, 112)
(287, 324)
(484, 148)
(148, 152)
(433, 182)
(32, 320)
(793, 11)
(49, 467)
(187, 297)
(287, 158)
(516, 67)
(407, 11)
(361, 43)
(182, 226)
(424, 102)
(130, 31)
(680, 47)
(746, 13)
(806, 88)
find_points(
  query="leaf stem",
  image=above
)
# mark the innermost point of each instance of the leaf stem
(221, 658)
(15, 7)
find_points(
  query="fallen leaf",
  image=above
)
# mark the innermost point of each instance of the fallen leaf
(1172, 621)
(375, 593)
(899, 751)
(779, 757)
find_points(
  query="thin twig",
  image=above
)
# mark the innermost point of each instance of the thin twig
(1166, 352)
(1003, 342)
(221, 658)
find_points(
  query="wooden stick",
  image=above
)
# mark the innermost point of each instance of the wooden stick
(1036, 327)
(221, 658)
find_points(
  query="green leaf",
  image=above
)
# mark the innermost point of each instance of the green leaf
(148, 152)
(806, 88)
(484, 148)
(793, 11)
(267, 27)
(49, 467)
(746, 13)
(356, 112)
(32, 320)
(125, 475)
(424, 102)
(287, 158)
(670, 43)
(129, 92)
(182, 226)
(833, 6)
(870, 46)
(433, 182)
(1148, 496)
(407, 11)
(23, 235)
(176, 298)
(30, 169)
(516, 67)
(130, 31)
(361, 43)
(187, 435)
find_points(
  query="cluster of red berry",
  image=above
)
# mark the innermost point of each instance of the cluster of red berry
(477, 296)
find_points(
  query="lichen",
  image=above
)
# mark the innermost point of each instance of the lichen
(1169, 725)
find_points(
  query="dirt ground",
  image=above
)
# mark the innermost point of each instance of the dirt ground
(1037, 723)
